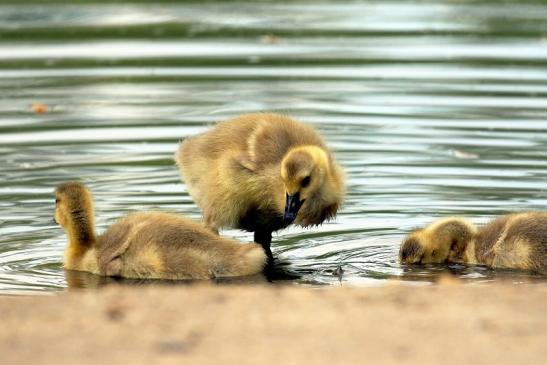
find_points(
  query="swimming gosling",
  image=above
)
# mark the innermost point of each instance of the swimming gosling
(261, 172)
(516, 241)
(148, 245)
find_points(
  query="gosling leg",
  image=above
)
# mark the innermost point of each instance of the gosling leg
(264, 238)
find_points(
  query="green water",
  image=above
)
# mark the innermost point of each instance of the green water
(434, 108)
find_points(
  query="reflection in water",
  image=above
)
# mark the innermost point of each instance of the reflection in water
(84, 280)
(433, 108)
(477, 273)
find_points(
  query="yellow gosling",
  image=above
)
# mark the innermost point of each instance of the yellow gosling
(261, 172)
(148, 245)
(517, 241)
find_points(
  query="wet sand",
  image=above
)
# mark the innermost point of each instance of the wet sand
(206, 324)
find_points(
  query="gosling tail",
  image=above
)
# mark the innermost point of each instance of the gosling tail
(249, 259)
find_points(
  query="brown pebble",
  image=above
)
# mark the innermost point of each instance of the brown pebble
(487, 324)
(39, 108)
(270, 39)
(115, 312)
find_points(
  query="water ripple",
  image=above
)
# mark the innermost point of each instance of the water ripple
(433, 109)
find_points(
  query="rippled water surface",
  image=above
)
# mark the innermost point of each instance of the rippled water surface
(433, 108)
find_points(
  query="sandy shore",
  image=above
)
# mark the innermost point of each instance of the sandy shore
(205, 324)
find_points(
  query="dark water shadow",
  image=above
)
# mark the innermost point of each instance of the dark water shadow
(466, 273)
(84, 280)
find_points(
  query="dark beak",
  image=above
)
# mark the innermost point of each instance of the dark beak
(292, 206)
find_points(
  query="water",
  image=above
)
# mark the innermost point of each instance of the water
(433, 108)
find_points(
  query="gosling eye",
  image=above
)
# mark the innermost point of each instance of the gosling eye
(57, 200)
(305, 181)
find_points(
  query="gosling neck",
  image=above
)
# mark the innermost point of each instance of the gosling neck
(456, 235)
(470, 254)
(81, 239)
(81, 229)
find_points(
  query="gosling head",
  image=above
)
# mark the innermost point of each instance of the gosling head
(304, 171)
(442, 241)
(73, 205)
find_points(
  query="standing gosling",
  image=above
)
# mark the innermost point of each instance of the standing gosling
(517, 241)
(148, 245)
(261, 172)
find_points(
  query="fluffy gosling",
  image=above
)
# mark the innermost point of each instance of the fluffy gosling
(147, 245)
(261, 172)
(516, 241)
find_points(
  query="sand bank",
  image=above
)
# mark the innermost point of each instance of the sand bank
(206, 324)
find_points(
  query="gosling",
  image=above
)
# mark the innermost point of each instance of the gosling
(261, 172)
(148, 245)
(515, 241)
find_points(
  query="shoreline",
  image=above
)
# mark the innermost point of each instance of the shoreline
(206, 324)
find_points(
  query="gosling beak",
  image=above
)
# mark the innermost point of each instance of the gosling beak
(292, 206)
